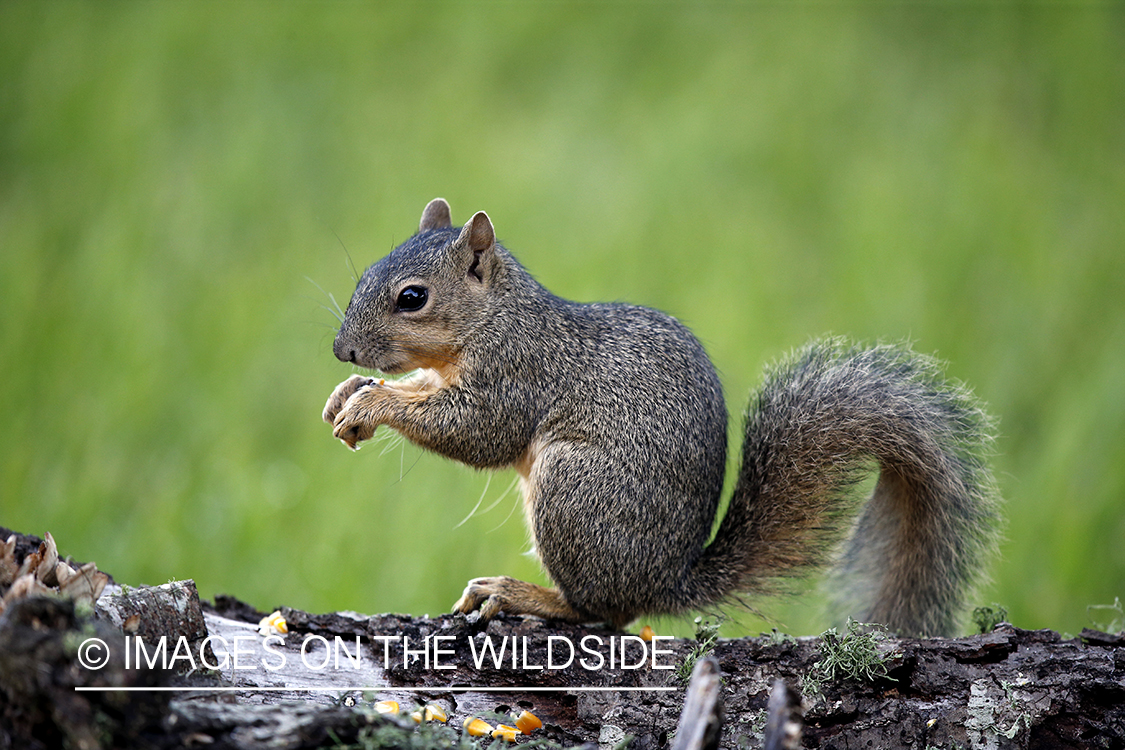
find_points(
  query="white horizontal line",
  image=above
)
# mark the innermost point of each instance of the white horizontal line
(378, 689)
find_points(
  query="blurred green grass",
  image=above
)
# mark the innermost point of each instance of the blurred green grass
(172, 176)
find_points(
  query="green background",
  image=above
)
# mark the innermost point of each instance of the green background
(182, 184)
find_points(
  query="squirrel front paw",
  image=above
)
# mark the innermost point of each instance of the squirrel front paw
(362, 410)
(343, 392)
(355, 423)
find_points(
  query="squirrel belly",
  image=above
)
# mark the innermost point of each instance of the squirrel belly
(615, 419)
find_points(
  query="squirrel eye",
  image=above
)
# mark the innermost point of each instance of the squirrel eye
(412, 298)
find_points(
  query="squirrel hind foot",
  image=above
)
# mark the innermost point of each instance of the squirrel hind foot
(504, 594)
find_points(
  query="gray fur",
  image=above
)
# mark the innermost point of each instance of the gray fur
(615, 418)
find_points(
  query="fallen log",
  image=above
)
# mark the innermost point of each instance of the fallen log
(223, 678)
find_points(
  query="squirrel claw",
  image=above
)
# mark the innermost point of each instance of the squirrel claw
(482, 593)
(492, 606)
(342, 393)
(352, 432)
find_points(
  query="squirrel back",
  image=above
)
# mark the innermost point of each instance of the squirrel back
(614, 418)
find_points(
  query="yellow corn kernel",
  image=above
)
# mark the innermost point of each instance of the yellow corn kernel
(505, 732)
(435, 712)
(273, 623)
(528, 722)
(386, 707)
(477, 727)
(417, 716)
(647, 633)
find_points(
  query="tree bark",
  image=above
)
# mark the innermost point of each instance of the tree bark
(218, 682)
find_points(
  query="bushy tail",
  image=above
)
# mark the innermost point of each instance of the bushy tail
(819, 423)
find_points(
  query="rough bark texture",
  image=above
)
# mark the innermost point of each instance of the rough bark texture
(1006, 689)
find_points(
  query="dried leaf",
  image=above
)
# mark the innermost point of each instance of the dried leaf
(24, 586)
(86, 585)
(63, 573)
(31, 562)
(8, 566)
(42, 572)
(49, 554)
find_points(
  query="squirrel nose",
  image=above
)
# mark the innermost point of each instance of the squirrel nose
(342, 351)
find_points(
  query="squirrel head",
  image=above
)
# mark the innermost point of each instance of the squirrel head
(417, 307)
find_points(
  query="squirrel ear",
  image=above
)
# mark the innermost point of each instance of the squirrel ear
(435, 216)
(479, 239)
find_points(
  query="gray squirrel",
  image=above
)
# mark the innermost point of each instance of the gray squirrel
(614, 418)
